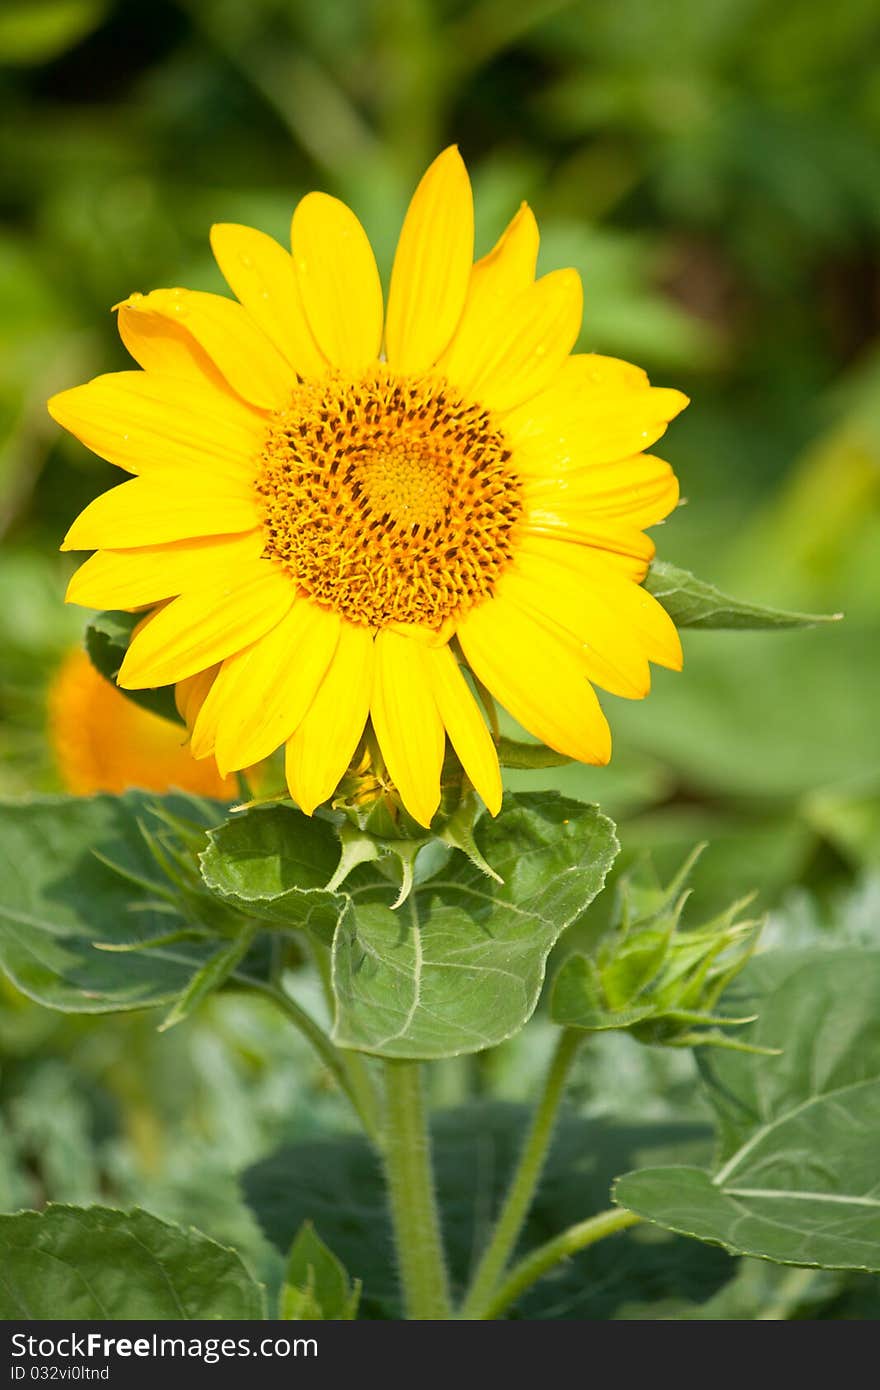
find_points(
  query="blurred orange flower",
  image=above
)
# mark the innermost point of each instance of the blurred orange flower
(104, 742)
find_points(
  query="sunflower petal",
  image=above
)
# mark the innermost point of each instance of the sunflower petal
(465, 724)
(612, 657)
(190, 694)
(134, 578)
(639, 491)
(591, 371)
(146, 423)
(538, 676)
(146, 511)
(323, 743)
(261, 275)
(338, 281)
(505, 272)
(562, 429)
(584, 528)
(241, 352)
(407, 722)
(262, 693)
(634, 617)
(201, 628)
(510, 266)
(164, 346)
(511, 354)
(432, 266)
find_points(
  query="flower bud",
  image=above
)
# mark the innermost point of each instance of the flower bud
(653, 978)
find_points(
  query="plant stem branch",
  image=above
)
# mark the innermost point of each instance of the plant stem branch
(791, 1290)
(410, 1179)
(524, 1182)
(331, 1056)
(534, 1266)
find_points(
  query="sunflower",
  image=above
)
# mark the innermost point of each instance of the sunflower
(342, 516)
(103, 742)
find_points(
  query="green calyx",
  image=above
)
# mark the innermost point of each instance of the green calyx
(374, 824)
(651, 977)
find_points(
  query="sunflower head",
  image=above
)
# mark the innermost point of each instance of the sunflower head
(352, 519)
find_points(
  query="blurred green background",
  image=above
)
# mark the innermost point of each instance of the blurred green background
(712, 168)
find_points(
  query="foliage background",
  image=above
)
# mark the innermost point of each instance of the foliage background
(713, 170)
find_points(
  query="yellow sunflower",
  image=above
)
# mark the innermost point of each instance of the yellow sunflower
(337, 511)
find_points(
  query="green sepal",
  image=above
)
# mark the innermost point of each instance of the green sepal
(356, 847)
(458, 832)
(376, 826)
(515, 754)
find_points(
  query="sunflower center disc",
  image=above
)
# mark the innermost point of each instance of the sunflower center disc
(388, 499)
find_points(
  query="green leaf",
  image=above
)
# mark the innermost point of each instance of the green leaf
(796, 1179)
(337, 1183)
(214, 973)
(691, 602)
(96, 1263)
(107, 638)
(58, 898)
(316, 1285)
(274, 862)
(461, 967)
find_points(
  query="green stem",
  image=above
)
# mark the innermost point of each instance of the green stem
(525, 1180)
(791, 1290)
(410, 1179)
(331, 1056)
(354, 1064)
(534, 1266)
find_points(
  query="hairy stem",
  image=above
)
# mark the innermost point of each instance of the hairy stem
(534, 1266)
(410, 1179)
(524, 1182)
